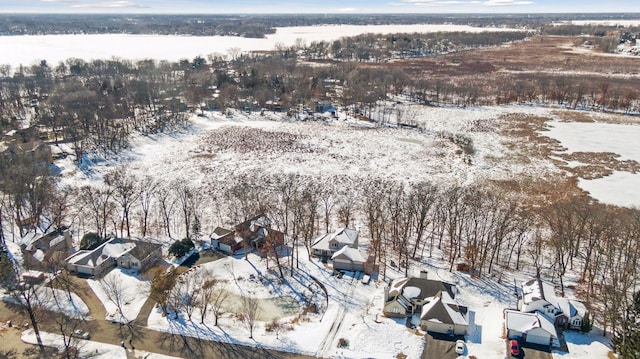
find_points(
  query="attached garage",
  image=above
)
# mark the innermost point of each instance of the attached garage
(349, 259)
(442, 314)
(534, 328)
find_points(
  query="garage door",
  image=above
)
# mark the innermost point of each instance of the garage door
(437, 327)
(537, 339)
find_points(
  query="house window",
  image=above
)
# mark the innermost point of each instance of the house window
(134, 264)
(396, 310)
(576, 322)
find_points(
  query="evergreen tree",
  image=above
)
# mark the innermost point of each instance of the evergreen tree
(626, 339)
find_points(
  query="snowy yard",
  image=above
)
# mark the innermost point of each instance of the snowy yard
(121, 286)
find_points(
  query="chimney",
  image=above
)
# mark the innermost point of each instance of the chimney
(423, 274)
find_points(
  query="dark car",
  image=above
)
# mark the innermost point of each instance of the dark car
(515, 348)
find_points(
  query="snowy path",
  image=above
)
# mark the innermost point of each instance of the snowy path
(330, 340)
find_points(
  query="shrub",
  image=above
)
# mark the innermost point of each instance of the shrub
(180, 248)
(91, 240)
(343, 343)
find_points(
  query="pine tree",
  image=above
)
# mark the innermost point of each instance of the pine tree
(626, 339)
(586, 325)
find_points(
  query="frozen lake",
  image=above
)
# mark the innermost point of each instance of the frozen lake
(27, 50)
(619, 188)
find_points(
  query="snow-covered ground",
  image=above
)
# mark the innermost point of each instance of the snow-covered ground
(27, 50)
(89, 349)
(619, 188)
(56, 300)
(132, 290)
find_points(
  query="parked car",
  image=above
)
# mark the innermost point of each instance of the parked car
(515, 348)
(459, 347)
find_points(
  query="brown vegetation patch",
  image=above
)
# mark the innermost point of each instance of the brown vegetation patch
(573, 116)
(598, 164)
(246, 140)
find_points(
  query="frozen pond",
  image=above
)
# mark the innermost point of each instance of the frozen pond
(270, 308)
(619, 188)
(26, 50)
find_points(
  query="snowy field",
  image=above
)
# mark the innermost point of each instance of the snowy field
(619, 188)
(342, 147)
(618, 22)
(27, 50)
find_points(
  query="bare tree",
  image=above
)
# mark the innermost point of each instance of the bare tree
(251, 310)
(114, 288)
(148, 187)
(166, 201)
(219, 295)
(125, 192)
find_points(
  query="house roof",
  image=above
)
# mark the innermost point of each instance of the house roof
(524, 322)
(142, 249)
(444, 309)
(344, 236)
(113, 248)
(535, 289)
(349, 253)
(427, 287)
(220, 232)
(572, 308)
(48, 240)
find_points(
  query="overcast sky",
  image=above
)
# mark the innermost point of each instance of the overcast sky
(317, 6)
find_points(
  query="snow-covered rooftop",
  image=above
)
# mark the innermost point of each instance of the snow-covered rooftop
(535, 289)
(524, 322)
(353, 254)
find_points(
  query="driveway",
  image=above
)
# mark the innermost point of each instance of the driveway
(440, 346)
(530, 351)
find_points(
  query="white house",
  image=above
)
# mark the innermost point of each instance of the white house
(541, 297)
(533, 328)
(349, 259)
(574, 310)
(326, 245)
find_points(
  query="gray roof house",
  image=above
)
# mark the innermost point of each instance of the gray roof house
(116, 252)
(326, 245)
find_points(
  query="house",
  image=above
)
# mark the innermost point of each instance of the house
(325, 107)
(326, 245)
(540, 296)
(443, 314)
(225, 240)
(116, 252)
(254, 232)
(534, 328)
(574, 310)
(46, 251)
(348, 259)
(406, 296)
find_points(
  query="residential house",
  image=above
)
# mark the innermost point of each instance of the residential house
(116, 252)
(540, 296)
(574, 310)
(405, 296)
(326, 245)
(254, 233)
(44, 252)
(257, 231)
(443, 314)
(534, 328)
(225, 240)
(348, 259)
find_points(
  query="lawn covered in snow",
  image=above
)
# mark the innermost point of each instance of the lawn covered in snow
(353, 305)
(128, 286)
